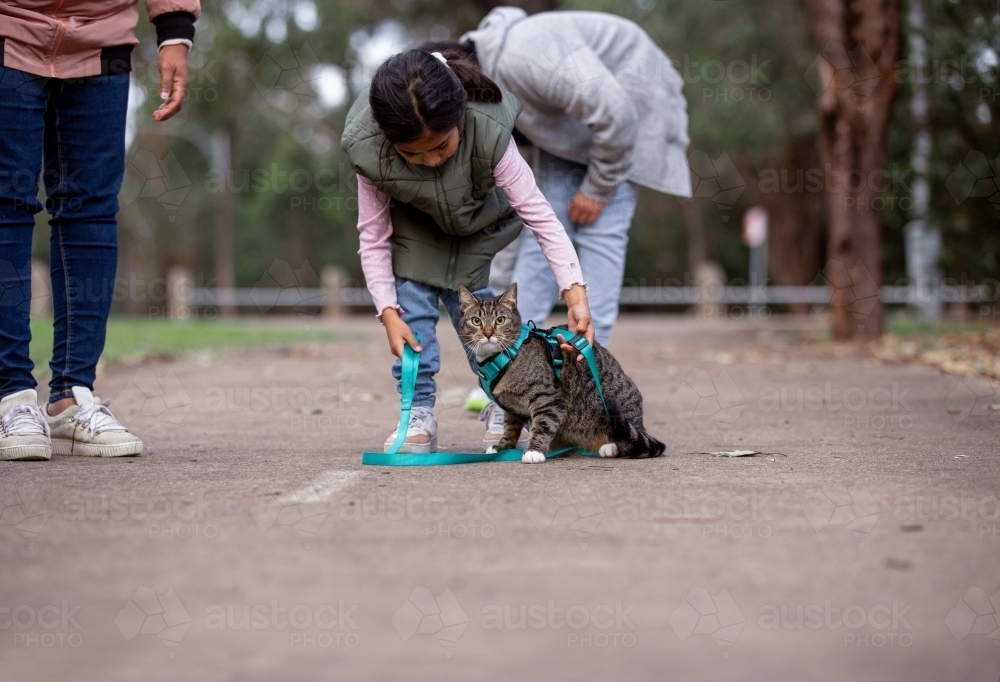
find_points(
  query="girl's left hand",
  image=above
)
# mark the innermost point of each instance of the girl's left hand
(578, 317)
(173, 81)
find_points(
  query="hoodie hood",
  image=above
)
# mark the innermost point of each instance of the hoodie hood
(489, 37)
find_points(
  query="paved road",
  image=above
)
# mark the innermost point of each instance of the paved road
(249, 543)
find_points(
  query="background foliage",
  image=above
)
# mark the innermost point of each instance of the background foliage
(277, 76)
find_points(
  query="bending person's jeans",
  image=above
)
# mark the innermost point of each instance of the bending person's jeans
(600, 245)
(419, 302)
(76, 128)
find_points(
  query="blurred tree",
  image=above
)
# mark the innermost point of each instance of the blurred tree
(963, 117)
(277, 75)
(860, 44)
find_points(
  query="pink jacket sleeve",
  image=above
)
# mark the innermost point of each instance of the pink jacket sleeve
(514, 176)
(375, 227)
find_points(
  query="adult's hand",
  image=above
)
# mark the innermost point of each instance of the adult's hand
(583, 210)
(173, 81)
(398, 332)
(578, 318)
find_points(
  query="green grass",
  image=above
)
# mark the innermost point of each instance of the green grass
(905, 323)
(134, 338)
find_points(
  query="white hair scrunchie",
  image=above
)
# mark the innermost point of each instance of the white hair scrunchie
(440, 57)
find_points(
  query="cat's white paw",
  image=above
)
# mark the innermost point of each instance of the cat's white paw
(533, 456)
(608, 450)
(491, 450)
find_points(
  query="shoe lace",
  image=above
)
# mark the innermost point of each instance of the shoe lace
(420, 419)
(24, 420)
(97, 418)
(493, 416)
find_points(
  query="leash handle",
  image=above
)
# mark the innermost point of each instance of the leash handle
(407, 389)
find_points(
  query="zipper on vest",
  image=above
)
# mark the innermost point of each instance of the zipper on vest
(60, 34)
(449, 276)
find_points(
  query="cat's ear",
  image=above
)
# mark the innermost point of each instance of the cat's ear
(465, 297)
(509, 297)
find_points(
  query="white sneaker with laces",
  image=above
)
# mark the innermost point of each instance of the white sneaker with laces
(24, 433)
(421, 434)
(88, 429)
(494, 418)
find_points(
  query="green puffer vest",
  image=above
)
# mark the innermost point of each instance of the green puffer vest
(447, 222)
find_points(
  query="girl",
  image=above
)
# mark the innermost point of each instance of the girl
(442, 189)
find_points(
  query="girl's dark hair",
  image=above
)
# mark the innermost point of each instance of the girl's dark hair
(413, 93)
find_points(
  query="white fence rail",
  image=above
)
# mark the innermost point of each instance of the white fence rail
(295, 298)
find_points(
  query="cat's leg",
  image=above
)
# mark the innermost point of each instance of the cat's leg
(512, 425)
(547, 413)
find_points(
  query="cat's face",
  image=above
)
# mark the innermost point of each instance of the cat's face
(489, 325)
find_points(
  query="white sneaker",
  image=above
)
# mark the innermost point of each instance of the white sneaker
(421, 435)
(493, 416)
(24, 433)
(88, 429)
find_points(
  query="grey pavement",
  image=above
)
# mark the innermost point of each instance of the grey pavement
(249, 543)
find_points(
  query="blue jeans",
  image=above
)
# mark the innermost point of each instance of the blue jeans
(601, 247)
(420, 311)
(71, 133)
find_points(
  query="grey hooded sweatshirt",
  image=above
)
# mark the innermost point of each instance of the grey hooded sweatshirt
(596, 90)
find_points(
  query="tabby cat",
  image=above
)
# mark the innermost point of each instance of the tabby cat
(561, 413)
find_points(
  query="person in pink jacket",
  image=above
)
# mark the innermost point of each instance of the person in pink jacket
(64, 81)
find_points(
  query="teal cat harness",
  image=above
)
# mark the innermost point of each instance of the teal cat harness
(491, 370)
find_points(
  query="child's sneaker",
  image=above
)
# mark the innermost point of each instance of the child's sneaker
(24, 433)
(88, 429)
(422, 434)
(493, 416)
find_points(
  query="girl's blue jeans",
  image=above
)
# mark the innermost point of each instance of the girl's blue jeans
(420, 304)
(71, 134)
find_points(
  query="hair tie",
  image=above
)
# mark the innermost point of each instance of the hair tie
(440, 57)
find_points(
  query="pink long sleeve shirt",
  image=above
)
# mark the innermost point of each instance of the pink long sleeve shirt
(514, 176)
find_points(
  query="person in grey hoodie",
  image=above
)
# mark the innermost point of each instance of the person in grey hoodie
(604, 108)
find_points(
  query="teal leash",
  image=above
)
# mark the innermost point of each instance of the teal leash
(408, 381)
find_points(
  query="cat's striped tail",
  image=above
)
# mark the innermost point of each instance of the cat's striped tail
(632, 442)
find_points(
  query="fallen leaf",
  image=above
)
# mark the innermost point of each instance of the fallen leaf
(731, 453)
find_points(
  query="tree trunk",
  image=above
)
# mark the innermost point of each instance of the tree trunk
(795, 232)
(225, 275)
(854, 78)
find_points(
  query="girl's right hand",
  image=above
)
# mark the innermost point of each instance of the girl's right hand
(398, 332)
